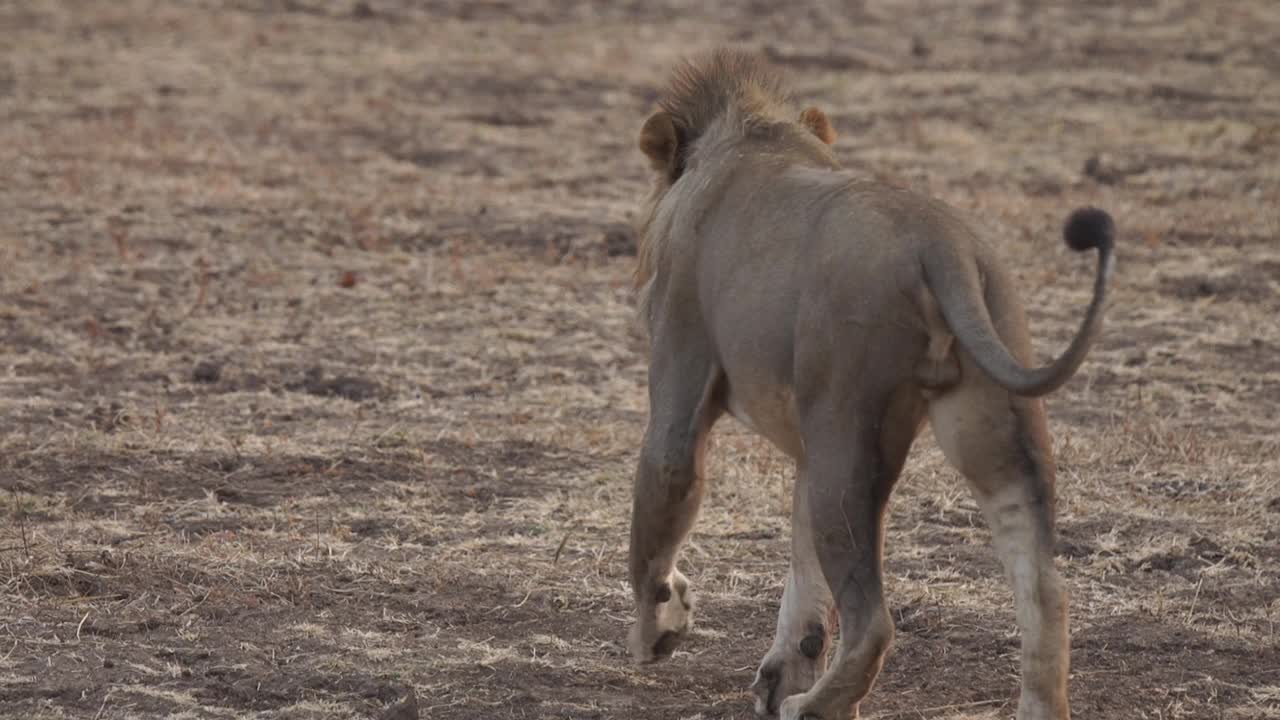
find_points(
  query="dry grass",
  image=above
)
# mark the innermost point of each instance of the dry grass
(319, 382)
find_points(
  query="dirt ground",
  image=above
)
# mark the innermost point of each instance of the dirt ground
(320, 389)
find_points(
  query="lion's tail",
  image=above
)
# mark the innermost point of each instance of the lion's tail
(958, 289)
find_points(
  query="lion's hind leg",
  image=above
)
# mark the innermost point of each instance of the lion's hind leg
(798, 656)
(1000, 444)
(854, 454)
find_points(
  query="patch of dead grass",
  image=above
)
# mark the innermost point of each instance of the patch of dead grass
(418, 480)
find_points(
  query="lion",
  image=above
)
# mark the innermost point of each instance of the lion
(833, 315)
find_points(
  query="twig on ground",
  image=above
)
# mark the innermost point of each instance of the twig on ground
(81, 625)
(939, 708)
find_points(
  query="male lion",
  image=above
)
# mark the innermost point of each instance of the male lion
(820, 309)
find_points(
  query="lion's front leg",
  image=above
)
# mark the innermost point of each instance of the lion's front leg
(668, 493)
(798, 656)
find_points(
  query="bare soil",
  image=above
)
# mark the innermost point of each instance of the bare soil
(320, 388)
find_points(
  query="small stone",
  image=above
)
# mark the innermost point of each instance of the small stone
(620, 240)
(207, 371)
(406, 709)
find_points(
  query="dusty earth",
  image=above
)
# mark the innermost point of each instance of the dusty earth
(320, 388)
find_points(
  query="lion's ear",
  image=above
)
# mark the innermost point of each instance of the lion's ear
(818, 124)
(660, 142)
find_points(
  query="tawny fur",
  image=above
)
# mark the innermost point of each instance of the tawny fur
(724, 92)
(820, 309)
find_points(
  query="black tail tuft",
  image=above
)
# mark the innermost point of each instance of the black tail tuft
(1089, 227)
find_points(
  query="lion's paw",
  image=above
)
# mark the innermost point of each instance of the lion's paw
(663, 621)
(787, 671)
(795, 708)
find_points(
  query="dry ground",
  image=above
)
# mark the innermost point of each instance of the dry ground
(319, 384)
